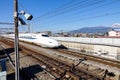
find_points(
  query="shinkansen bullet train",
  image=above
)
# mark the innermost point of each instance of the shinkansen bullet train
(40, 39)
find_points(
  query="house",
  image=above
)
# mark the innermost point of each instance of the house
(114, 32)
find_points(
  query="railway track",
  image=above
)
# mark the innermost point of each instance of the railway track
(60, 69)
(110, 62)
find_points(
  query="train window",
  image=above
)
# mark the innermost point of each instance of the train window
(45, 35)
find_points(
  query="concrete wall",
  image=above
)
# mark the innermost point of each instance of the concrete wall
(77, 45)
(102, 41)
(107, 51)
(110, 46)
(118, 53)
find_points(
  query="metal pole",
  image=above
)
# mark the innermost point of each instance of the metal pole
(28, 28)
(16, 42)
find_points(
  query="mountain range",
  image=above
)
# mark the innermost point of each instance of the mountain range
(98, 29)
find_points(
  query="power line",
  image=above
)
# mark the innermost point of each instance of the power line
(22, 6)
(73, 9)
(62, 8)
(6, 23)
(96, 7)
(6, 28)
(90, 17)
(76, 7)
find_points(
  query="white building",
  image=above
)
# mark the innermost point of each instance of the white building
(114, 33)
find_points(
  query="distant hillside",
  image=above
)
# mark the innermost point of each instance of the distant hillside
(99, 29)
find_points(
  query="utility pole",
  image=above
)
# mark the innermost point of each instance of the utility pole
(16, 41)
(28, 28)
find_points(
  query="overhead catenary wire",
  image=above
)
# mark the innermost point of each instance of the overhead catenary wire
(6, 23)
(93, 17)
(81, 19)
(71, 9)
(60, 8)
(68, 9)
(83, 11)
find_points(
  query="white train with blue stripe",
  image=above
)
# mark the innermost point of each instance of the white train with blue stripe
(39, 39)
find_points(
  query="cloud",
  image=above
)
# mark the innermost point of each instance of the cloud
(116, 25)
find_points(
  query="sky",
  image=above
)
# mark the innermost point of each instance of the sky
(65, 15)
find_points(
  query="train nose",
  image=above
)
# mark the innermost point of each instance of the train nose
(54, 44)
(58, 44)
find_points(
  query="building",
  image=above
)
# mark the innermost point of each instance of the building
(114, 32)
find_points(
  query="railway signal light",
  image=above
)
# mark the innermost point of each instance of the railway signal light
(21, 21)
(26, 15)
